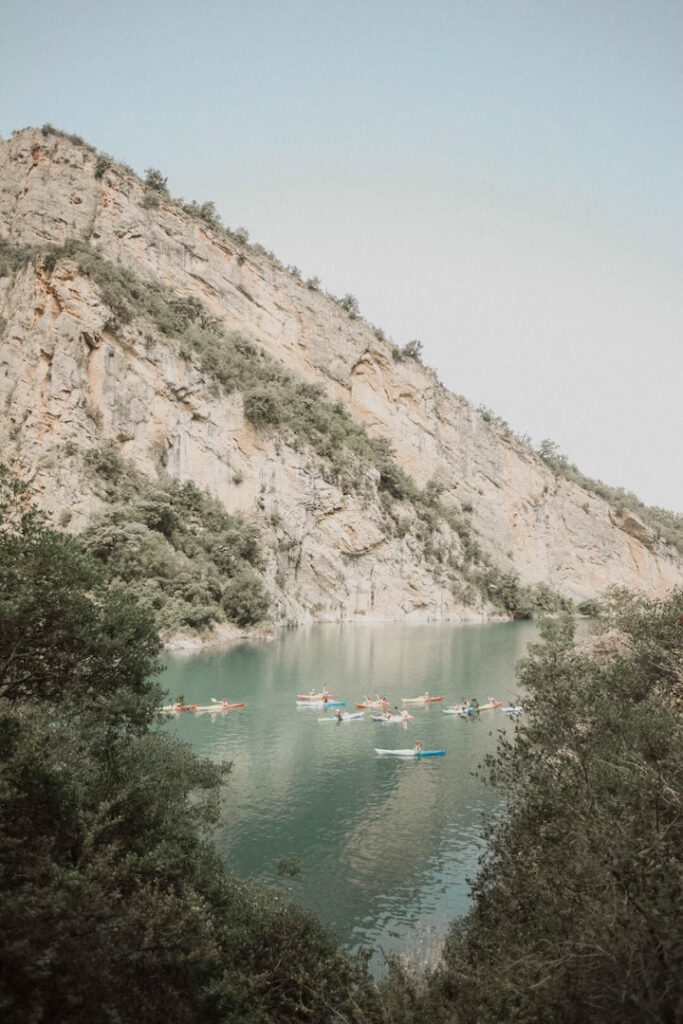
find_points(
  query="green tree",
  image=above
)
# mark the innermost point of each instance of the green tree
(155, 181)
(65, 634)
(578, 907)
(114, 906)
(246, 600)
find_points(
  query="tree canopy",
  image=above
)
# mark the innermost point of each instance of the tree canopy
(114, 905)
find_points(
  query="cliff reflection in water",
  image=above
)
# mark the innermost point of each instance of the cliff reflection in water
(385, 845)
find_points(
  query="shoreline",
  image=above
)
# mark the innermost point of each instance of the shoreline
(226, 634)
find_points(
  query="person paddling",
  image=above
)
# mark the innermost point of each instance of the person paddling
(418, 746)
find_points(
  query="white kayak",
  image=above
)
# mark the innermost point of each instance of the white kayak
(513, 711)
(320, 703)
(394, 718)
(411, 752)
(345, 717)
(217, 707)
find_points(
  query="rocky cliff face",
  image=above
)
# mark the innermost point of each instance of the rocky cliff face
(67, 379)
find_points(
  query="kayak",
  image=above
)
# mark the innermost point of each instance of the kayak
(463, 712)
(373, 704)
(218, 706)
(312, 696)
(346, 717)
(179, 707)
(490, 705)
(319, 703)
(394, 718)
(513, 711)
(412, 753)
(419, 700)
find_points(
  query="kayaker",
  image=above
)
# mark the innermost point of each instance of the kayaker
(426, 696)
(387, 714)
(418, 746)
(404, 715)
(338, 714)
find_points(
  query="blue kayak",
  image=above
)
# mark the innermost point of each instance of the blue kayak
(411, 752)
(318, 704)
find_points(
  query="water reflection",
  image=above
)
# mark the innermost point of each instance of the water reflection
(385, 844)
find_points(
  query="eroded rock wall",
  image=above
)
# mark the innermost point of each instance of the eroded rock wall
(547, 529)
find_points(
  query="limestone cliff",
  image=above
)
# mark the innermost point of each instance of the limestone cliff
(68, 378)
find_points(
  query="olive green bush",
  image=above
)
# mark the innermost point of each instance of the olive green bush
(175, 548)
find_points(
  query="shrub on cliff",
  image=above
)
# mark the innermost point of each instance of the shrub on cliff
(246, 600)
(175, 546)
(156, 181)
(262, 407)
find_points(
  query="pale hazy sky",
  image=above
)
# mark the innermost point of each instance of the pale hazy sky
(502, 180)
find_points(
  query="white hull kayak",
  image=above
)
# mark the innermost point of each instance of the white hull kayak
(346, 717)
(219, 707)
(320, 703)
(392, 720)
(513, 711)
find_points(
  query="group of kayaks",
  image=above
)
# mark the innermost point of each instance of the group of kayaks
(324, 699)
(216, 705)
(385, 716)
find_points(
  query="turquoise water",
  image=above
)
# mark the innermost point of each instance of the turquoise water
(385, 845)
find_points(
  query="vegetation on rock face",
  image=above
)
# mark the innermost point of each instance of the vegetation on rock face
(274, 398)
(186, 560)
(665, 525)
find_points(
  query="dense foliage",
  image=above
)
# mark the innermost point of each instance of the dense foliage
(183, 557)
(113, 904)
(578, 907)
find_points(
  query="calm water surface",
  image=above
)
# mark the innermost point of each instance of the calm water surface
(385, 845)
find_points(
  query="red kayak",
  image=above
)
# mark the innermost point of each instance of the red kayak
(420, 700)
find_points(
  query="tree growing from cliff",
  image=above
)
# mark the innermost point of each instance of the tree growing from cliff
(156, 181)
